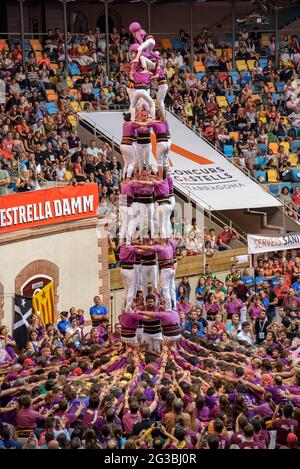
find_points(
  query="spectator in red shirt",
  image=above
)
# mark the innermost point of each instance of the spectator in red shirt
(296, 196)
(224, 238)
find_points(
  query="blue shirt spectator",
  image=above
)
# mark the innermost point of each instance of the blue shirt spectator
(64, 323)
(188, 327)
(97, 311)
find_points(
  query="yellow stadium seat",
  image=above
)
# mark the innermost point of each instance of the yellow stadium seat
(272, 175)
(51, 95)
(234, 135)
(75, 78)
(273, 146)
(222, 101)
(72, 120)
(229, 52)
(241, 65)
(166, 43)
(70, 82)
(199, 67)
(285, 145)
(250, 64)
(35, 44)
(218, 52)
(53, 80)
(293, 159)
(75, 106)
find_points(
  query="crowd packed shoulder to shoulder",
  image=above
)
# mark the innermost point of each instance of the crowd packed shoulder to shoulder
(231, 381)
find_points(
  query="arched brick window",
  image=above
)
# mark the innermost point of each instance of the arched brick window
(38, 268)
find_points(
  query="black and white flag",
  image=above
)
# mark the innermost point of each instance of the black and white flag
(23, 311)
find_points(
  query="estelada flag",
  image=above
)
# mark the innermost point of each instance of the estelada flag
(43, 304)
(5, 153)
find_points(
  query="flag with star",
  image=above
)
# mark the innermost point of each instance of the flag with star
(23, 311)
(43, 304)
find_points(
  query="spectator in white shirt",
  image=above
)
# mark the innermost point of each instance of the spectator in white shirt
(246, 334)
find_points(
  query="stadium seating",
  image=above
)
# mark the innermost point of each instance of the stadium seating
(272, 175)
(228, 150)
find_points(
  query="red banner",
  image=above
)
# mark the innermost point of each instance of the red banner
(47, 207)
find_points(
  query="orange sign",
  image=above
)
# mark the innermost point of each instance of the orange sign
(47, 207)
(182, 152)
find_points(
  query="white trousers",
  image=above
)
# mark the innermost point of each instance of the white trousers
(173, 202)
(167, 285)
(147, 63)
(129, 157)
(138, 94)
(164, 213)
(128, 277)
(125, 214)
(162, 151)
(142, 217)
(153, 341)
(146, 212)
(149, 274)
(143, 155)
(140, 104)
(161, 94)
(138, 278)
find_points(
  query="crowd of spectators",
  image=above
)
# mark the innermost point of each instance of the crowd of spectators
(231, 382)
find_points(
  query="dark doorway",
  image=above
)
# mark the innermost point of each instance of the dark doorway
(101, 23)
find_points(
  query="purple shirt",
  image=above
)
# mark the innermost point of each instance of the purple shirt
(161, 188)
(127, 254)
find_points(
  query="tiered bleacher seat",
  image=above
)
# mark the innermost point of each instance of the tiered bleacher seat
(3, 45)
(262, 63)
(295, 145)
(263, 147)
(250, 64)
(199, 75)
(272, 175)
(285, 145)
(261, 176)
(260, 160)
(228, 150)
(51, 108)
(280, 86)
(234, 135)
(36, 45)
(74, 69)
(72, 120)
(177, 44)
(273, 146)
(230, 98)
(166, 43)
(241, 65)
(221, 101)
(293, 159)
(199, 67)
(51, 95)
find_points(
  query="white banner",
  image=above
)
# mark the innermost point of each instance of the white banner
(258, 244)
(198, 170)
